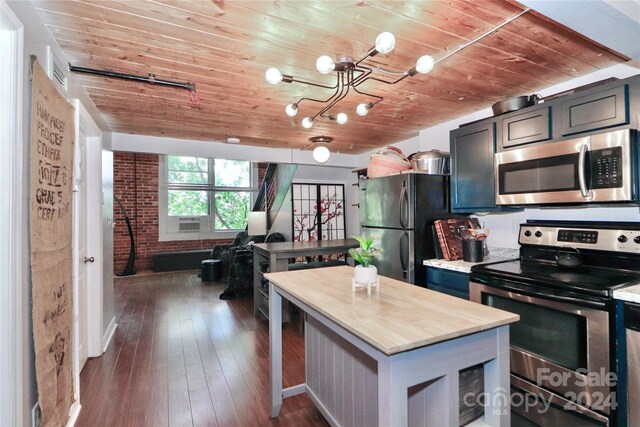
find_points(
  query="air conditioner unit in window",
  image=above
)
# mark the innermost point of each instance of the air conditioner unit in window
(188, 225)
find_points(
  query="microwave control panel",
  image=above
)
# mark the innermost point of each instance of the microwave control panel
(606, 168)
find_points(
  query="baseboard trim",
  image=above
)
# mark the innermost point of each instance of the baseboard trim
(74, 412)
(106, 339)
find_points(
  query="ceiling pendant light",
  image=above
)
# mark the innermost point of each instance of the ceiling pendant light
(341, 118)
(385, 42)
(363, 109)
(307, 122)
(350, 74)
(291, 110)
(273, 76)
(320, 153)
(425, 64)
(325, 64)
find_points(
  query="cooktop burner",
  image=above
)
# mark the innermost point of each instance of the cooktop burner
(574, 277)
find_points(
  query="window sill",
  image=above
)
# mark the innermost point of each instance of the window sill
(172, 237)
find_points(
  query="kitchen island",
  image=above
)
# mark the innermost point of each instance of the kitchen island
(391, 358)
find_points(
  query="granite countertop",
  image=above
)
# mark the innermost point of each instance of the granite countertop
(629, 294)
(495, 255)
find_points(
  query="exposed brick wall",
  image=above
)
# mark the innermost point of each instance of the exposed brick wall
(135, 183)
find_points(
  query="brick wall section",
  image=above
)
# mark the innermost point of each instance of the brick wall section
(135, 183)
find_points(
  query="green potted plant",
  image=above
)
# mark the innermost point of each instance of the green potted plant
(365, 273)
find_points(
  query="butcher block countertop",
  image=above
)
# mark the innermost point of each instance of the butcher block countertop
(397, 318)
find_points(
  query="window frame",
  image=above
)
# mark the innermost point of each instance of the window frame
(167, 226)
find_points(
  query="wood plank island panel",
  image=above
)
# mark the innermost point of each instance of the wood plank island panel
(225, 47)
(399, 317)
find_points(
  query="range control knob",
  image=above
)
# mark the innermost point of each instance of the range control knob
(538, 233)
(622, 238)
(637, 239)
(528, 234)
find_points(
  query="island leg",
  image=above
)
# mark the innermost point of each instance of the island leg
(275, 350)
(393, 403)
(496, 383)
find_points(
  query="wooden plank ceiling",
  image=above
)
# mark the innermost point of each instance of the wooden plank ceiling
(225, 47)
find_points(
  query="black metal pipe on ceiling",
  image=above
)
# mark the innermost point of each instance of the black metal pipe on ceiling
(148, 79)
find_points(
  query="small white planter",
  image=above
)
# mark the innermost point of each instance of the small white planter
(366, 275)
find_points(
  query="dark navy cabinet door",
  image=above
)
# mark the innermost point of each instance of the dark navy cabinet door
(472, 171)
(595, 110)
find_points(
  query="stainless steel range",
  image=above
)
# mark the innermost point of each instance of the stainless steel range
(562, 350)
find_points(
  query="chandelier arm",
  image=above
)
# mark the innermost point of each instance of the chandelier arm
(383, 81)
(369, 94)
(372, 52)
(335, 101)
(391, 73)
(366, 72)
(293, 79)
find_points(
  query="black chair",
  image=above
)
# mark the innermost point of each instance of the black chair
(240, 268)
(226, 253)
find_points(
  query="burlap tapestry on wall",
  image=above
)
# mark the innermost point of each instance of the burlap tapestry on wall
(52, 141)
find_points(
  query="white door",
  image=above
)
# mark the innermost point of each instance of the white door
(81, 258)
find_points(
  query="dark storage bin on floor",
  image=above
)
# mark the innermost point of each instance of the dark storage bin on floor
(211, 270)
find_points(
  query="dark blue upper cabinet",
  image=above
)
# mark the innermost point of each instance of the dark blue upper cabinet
(595, 109)
(472, 178)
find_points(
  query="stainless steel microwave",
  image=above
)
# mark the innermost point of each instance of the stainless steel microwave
(599, 168)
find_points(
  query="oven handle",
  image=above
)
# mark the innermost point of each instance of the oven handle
(511, 287)
(582, 179)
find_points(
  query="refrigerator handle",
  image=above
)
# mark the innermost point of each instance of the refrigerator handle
(403, 212)
(404, 253)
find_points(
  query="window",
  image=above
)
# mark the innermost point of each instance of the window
(204, 198)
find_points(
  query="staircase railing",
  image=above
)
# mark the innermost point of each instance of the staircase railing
(273, 189)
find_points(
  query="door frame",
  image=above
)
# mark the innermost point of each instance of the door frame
(93, 293)
(13, 400)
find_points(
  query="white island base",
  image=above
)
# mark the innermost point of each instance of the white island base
(356, 376)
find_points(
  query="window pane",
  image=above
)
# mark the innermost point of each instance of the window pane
(188, 203)
(231, 210)
(232, 173)
(188, 170)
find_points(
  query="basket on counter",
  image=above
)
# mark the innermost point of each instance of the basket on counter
(387, 161)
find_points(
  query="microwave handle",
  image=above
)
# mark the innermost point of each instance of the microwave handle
(582, 179)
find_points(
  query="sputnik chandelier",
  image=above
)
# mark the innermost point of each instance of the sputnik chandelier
(350, 74)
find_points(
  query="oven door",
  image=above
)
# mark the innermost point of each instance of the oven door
(558, 344)
(595, 168)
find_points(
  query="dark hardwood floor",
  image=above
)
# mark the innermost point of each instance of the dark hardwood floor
(181, 356)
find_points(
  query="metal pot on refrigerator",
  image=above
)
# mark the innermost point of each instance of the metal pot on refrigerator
(433, 162)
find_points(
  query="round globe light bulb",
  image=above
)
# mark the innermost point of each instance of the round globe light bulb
(291, 110)
(342, 118)
(385, 42)
(307, 122)
(425, 64)
(273, 76)
(325, 64)
(321, 154)
(362, 109)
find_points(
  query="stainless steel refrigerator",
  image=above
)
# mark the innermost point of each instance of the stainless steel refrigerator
(398, 212)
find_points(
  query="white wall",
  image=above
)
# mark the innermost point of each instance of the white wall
(504, 227)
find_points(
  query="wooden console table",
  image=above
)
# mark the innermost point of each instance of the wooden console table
(276, 257)
(391, 358)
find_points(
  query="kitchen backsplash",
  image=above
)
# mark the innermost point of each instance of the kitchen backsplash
(503, 227)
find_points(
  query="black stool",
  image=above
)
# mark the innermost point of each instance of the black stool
(211, 270)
